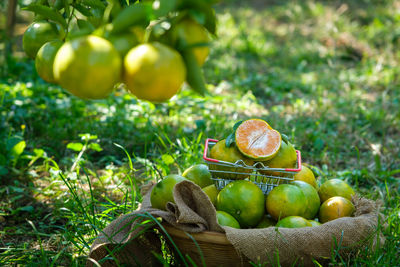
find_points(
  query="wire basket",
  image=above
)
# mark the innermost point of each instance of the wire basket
(264, 177)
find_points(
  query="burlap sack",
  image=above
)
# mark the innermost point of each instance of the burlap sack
(127, 240)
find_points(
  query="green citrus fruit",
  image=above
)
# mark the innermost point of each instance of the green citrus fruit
(162, 193)
(286, 200)
(293, 222)
(225, 219)
(285, 158)
(312, 199)
(333, 188)
(265, 222)
(37, 34)
(192, 34)
(257, 140)
(212, 192)
(45, 59)
(154, 72)
(335, 207)
(243, 200)
(198, 174)
(229, 154)
(88, 67)
(314, 223)
(306, 175)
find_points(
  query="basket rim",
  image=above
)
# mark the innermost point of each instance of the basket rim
(205, 236)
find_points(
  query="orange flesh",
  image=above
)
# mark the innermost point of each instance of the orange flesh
(256, 139)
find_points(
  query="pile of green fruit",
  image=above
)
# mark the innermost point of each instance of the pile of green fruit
(242, 204)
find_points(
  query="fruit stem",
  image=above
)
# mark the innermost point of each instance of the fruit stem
(68, 22)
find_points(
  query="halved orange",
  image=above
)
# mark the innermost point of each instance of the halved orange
(257, 140)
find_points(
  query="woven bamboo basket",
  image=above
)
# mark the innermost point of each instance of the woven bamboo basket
(212, 248)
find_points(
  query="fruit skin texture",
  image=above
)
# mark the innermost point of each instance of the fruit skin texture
(314, 223)
(286, 200)
(335, 207)
(265, 222)
(162, 192)
(307, 176)
(257, 140)
(37, 34)
(212, 192)
(230, 154)
(225, 219)
(45, 59)
(293, 222)
(285, 158)
(333, 188)
(312, 202)
(244, 201)
(88, 67)
(154, 72)
(198, 174)
(192, 33)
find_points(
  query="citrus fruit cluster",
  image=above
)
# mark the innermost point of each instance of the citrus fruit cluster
(198, 174)
(151, 48)
(293, 205)
(296, 202)
(242, 204)
(252, 142)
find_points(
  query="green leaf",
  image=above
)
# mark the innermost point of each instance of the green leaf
(78, 33)
(167, 159)
(210, 20)
(82, 9)
(194, 74)
(94, 3)
(48, 13)
(163, 7)
(194, 45)
(59, 4)
(38, 152)
(202, 12)
(236, 125)
(132, 15)
(12, 141)
(95, 147)
(85, 25)
(207, 19)
(87, 136)
(285, 138)
(27, 208)
(230, 140)
(3, 170)
(75, 146)
(116, 8)
(18, 149)
(3, 160)
(15, 146)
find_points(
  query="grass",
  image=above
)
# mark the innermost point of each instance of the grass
(325, 73)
